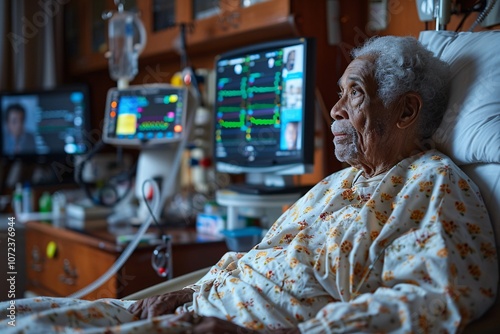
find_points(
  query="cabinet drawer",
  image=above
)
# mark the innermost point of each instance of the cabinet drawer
(72, 266)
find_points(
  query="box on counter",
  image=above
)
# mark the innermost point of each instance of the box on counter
(243, 239)
(209, 224)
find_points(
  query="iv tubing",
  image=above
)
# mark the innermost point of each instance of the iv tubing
(128, 250)
(483, 14)
(157, 202)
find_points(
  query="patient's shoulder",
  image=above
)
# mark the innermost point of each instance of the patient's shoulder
(433, 169)
(430, 163)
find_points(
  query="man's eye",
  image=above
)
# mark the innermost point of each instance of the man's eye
(354, 92)
(339, 94)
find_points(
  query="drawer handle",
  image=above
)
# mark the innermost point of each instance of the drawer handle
(70, 275)
(37, 260)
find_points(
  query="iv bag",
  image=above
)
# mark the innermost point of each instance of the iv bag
(123, 52)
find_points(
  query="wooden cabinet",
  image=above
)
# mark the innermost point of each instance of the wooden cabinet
(233, 24)
(61, 261)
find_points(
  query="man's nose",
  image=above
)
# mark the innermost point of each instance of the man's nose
(338, 111)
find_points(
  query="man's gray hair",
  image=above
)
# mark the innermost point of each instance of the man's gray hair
(403, 64)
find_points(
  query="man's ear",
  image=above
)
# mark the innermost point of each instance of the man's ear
(412, 103)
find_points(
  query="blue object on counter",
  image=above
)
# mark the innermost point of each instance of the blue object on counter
(27, 198)
(242, 239)
(17, 199)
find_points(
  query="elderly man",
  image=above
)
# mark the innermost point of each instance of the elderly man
(400, 241)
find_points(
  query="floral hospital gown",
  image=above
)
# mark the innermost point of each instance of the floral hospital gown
(408, 251)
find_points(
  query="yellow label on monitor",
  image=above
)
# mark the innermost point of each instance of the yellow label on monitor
(126, 124)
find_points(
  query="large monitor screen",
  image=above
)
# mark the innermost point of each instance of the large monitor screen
(264, 109)
(146, 114)
(44, 123)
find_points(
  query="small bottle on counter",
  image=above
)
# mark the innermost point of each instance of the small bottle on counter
(17, 199)
(45, 202)
(27, 198)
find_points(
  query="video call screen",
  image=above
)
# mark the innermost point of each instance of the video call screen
(44, 123)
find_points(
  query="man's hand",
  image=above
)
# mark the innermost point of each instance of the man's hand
(161, 304)
(213, 325)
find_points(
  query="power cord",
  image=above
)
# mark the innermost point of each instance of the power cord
(150, 210)
(484, 13)
(476, 7)
(108, 194)
(161, 259)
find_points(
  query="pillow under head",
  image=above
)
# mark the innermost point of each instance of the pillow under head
(470, 130)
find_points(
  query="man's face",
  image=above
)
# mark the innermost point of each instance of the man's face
(291, 136)
(361, 122)
(290, 61)
(15, 123)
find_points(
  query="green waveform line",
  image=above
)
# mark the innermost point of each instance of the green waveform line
(153, 126)
(265, 121)
(233, 124)
(262, 89)
(230, 93)
(228, 109)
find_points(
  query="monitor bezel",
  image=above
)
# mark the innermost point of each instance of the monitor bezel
(302, 164)
(51, 156)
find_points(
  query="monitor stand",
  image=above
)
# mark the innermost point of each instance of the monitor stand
(268, 184)
(270, 205)
(265, 193)
(155, 162)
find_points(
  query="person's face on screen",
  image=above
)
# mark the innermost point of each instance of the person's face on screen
(15, 123)
(290, 60)
(291, 133)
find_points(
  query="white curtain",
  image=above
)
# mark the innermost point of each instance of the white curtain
(31, 44)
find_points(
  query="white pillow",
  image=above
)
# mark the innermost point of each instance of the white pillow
(487, 178)
(470, 130)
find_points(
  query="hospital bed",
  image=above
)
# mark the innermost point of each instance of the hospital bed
(469, 133)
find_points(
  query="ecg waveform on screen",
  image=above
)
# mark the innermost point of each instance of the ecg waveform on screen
(249, 102)
(233, 124)
(265, 121)
(249, 91)
(153, 126)
(243, 118)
